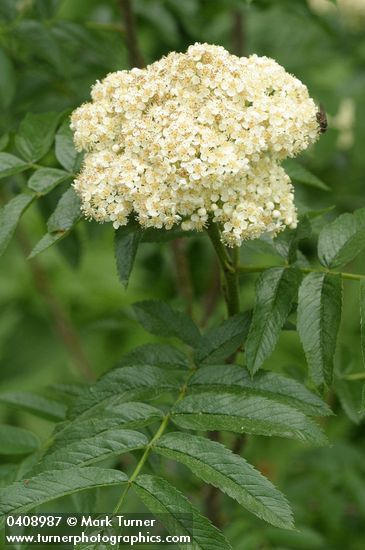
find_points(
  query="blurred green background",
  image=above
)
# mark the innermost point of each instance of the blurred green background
(65, 315)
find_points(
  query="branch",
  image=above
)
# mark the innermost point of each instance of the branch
(134, 54)
(238, 33)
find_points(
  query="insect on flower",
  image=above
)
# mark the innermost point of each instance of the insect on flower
(322, 120)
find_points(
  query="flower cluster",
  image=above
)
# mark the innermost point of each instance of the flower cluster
(193, 138)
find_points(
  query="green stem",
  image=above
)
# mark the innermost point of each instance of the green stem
(229, 270)
(232, 293)
(222, 253)
(355, 376)
(259, 268)
(158, 434)
(235, 257)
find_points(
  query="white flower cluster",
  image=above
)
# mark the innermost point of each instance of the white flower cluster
(194, 137)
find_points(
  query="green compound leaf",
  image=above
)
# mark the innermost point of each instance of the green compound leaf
(35, 404)
(36, 134)
(131, 382)
(349, 392)
(43, 44)
(46, 179)
(66, 214)
(24, 495)
(127, 239)
(46, 242)
(65, 150)
(343, 239)
(298, 173)
(267, 384)
(253, 414)
(10, 215)
(159, 318)
(178, 514)
(8, 473)
(4, 141)
(59, 224)
(217, 465)
(221, 342)
(88, 450)
(116, 415)
(319, 316)
(362, 317)
(156, 355)
(11, 165)
(16, 441)
(276, 290)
